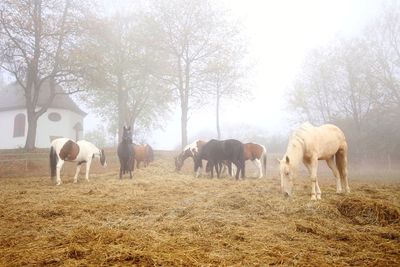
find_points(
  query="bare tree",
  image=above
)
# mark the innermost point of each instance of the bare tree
(226, 74)
(36, 39)
(120, 80)
(189, 32)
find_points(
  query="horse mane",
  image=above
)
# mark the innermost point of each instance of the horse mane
(300, 134)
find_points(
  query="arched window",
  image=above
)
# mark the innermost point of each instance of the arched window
(19, 125)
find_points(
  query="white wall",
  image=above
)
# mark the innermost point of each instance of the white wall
(7, 130)
(45, 128)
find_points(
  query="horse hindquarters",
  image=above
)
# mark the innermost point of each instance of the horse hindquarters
(341, 164)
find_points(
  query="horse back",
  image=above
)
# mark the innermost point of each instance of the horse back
(140, 152)
(328, 140)
(252, 151)
(69, 151)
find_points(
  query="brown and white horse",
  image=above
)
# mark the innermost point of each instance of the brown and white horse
(143, 153)
(190, 151)
(258, 155)
(65, 149)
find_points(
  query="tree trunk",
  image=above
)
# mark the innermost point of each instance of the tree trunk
(31, 135)
(218, 127)
(184, 113)
(121, 108)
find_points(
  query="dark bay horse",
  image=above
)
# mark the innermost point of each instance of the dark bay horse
(143, 153)
(188, 152)
(258, 155)
(126, 153)
(64, 149)
(215, 151)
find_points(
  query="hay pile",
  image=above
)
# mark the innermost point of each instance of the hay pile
(164, 218)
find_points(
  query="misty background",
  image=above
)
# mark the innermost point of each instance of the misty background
(177, 70)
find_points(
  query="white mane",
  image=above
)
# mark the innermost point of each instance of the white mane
(301, 133)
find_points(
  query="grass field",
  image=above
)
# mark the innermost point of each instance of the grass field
(165, 218)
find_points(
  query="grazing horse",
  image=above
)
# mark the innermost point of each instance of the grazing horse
(188, 152)
(126, 153)
(64, 149)
(215, 151)
(143, 153)
(309, 144)
(258, 155)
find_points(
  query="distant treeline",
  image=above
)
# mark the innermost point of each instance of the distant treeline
(355, 84)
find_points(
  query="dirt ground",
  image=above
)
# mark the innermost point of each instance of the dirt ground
(166, 218)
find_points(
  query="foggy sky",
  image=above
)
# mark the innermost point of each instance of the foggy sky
(280, 34)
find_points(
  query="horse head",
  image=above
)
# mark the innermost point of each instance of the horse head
(103, 158)
(178, 162)
(127, 135)
(287, 174)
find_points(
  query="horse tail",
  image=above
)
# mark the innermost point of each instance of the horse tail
(53, 162)
(264, 159)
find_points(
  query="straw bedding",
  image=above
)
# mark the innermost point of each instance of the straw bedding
(164, 218)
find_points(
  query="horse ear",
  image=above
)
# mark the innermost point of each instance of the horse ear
(278, 160)
(287, 160)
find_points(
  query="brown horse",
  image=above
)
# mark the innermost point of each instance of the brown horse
(143, 153)
(258, 155)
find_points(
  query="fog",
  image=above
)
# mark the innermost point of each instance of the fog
(280, 35)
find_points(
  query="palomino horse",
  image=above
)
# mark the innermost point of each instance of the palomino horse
(188, 152)
(126, 153)
(64, 149)
(258, 155)
(310, 144)
(143, 153)
(215, 151)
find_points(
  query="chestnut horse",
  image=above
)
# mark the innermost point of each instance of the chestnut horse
(309, 144)
(65, 149)
(143, 153)
(258, 155)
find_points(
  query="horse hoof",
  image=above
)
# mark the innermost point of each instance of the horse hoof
(313, 197)
(318, 197)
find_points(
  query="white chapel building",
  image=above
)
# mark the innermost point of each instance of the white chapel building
(62, 119)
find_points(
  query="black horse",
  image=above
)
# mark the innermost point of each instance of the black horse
(126, 153)
(215, 151)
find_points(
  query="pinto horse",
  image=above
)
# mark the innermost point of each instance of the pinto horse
(215, 151)
(126, 153)
(188, 152)
(143, 153)
(64, 149)
(258, 155)
(309, 144)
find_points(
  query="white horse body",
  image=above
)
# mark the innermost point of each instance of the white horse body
(309, 144)
(67, 150)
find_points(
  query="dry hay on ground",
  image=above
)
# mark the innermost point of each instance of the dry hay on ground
(164, 218)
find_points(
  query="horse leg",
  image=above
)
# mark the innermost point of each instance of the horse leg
(341, 163)
(332, 166)
(242, 168)
(217, 169)
(78, 169)
(88, 168)
(312, 167)
(258, 164)
(238, 168)
(60, 163)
